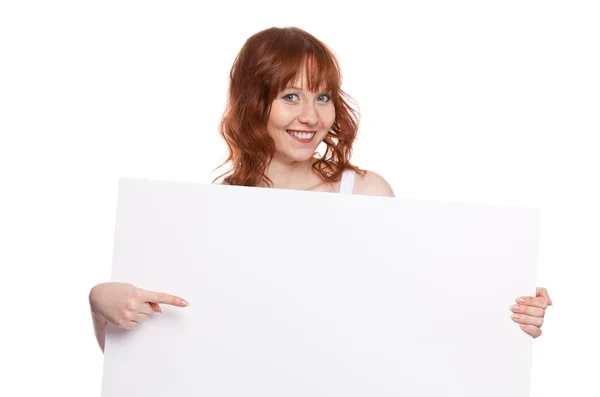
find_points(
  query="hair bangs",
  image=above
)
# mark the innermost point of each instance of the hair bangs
(311, 70)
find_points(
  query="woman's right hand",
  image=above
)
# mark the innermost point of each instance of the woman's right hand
(125, 305)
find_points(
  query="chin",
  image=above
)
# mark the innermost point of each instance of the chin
(297, 155)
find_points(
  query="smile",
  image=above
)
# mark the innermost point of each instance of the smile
(302, 136)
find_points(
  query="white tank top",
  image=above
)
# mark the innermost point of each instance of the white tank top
(347, 182)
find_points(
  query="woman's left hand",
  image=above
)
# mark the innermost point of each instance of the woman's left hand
(529, 311)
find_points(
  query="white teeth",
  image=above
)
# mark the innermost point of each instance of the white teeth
(302, 135)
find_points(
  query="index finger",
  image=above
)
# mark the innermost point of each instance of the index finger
(161, 297)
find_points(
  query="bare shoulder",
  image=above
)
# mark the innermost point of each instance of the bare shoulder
(372, 184)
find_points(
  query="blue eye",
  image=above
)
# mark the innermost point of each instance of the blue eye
(290, 97)
(324, 98)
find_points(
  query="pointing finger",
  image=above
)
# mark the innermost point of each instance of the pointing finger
(161, 297)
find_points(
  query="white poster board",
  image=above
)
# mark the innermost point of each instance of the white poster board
(310, 294)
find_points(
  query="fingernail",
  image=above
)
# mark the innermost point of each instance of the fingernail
(523, 326)
(521, 300)
(184, 303)
(515, 307)
(516, 316)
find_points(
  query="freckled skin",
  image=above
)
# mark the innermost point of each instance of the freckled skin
(299, 109)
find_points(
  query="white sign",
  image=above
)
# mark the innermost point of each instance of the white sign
(296, 293)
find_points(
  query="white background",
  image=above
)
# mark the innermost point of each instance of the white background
(482, 102)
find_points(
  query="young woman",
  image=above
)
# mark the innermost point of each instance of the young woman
(285, 101)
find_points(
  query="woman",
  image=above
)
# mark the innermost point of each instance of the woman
(284, 102)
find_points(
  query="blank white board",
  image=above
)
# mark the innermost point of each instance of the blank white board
(298, 293)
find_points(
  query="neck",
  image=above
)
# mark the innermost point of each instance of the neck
(297, 175)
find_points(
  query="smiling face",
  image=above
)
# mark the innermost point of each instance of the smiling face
(299, 121)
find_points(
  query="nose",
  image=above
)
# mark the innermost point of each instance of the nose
(309, 114)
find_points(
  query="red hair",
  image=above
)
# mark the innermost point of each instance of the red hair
(266, 64)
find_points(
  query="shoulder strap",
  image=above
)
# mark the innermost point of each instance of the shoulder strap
(347, 182)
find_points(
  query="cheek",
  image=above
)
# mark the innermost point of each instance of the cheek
(280, 117)
(328, 117)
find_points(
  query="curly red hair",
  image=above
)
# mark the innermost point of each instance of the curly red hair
(266, 64)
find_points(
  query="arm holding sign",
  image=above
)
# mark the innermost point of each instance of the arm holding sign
(125, 306)
(529, 311)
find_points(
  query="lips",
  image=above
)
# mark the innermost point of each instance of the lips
(302, 135)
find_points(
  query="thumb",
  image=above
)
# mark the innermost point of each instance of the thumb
(543, 292)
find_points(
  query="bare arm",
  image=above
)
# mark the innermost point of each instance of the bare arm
(99, 329)
(98, 320)
(125, 306)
